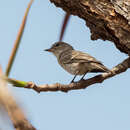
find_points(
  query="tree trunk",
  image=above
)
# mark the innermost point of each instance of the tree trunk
(107, 19)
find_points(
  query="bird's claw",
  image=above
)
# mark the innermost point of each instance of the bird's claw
(72, 81)
(82, 79)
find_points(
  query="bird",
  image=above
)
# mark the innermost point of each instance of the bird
(75, 62)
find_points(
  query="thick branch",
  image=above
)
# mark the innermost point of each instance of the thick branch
(107, 19)
(122, 67)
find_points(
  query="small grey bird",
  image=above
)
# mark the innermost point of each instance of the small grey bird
(75, 62)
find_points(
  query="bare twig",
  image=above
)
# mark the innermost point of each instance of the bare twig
(122, 67)
(17, 42)
(6, 99)
(64, 25)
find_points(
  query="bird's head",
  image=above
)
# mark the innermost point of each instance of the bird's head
(59, 47)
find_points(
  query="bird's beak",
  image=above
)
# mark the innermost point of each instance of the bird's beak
(49, 50)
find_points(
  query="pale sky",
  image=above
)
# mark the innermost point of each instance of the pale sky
(103, 106)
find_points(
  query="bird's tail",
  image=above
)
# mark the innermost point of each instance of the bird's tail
(100, 68)
(104, 69)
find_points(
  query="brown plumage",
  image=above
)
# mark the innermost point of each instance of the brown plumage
(76, 62)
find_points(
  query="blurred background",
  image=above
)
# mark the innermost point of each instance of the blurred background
(103, 106)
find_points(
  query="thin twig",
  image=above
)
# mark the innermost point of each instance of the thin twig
(6, 99)
(17, 41)
(64, 25)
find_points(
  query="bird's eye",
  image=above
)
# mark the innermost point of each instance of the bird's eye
(57, 45)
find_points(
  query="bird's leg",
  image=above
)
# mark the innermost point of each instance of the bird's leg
(73, 79)
(83, 76)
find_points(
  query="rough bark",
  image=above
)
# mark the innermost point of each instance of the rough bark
(107, 19)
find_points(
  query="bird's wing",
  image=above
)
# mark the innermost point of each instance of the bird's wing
(65, 57)
(80, 57)
(76, 56)
(83, 57)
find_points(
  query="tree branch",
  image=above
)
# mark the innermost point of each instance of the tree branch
(122, 67)
(106, 19)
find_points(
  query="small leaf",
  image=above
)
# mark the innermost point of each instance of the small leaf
(15, 82)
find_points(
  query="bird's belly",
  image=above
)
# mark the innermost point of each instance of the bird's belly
(75, 68)
(71, 68)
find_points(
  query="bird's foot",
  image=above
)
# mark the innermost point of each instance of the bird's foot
(82, 79)
(72, 81)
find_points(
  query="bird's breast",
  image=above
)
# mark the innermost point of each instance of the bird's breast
(76, 68)
(71, 68)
